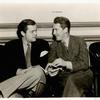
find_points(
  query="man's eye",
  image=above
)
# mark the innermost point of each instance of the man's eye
(33, 31)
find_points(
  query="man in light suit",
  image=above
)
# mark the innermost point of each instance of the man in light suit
(26, 60)
(68, 69)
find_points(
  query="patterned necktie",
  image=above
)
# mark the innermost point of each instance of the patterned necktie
(28, 56)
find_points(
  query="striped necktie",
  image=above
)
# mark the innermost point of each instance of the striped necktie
(28, 56)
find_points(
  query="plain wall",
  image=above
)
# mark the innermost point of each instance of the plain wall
(46, 12)
(41, 12)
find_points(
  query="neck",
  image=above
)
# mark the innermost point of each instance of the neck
(25, 41)
(66, 37)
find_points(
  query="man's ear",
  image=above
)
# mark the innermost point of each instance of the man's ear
(65, 29)
(22, 33)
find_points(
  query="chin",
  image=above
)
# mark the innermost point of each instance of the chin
(58, 39)
(32, 40)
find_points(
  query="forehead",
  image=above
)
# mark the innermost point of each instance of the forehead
(56, 25)
(31, 27)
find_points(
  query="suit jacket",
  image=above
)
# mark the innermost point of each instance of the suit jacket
(16, 59)
(76, 52)
(80, 79)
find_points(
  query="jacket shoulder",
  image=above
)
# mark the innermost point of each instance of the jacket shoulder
(77, 38)
(42, 41)
(53, 44)
(12, 43)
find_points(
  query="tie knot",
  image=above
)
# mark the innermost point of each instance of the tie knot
(28, 44)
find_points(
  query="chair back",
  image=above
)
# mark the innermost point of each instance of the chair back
(94, 52)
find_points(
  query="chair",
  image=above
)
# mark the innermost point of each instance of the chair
(94, 52)
(4, 68)
(2, 63)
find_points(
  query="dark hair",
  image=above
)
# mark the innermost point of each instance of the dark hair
(53, 36)
(63, 21)
(23, 26)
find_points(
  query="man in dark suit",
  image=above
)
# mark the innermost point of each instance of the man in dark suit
(26, 60)
(68, 69)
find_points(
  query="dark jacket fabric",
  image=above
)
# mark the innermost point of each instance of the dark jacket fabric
(76, 52)
(71, 84)
(15, 55)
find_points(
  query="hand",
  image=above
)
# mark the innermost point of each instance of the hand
(47, 67)
(59, 62)
(52, 70)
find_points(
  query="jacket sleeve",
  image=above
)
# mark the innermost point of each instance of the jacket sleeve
(52, 53)
(81, 61)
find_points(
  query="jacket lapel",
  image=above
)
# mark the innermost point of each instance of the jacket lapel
(21, 53)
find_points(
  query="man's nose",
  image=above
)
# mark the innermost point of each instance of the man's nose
(54, 33)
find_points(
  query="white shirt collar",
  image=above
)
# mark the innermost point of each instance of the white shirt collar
(25, 45)
(25, 42)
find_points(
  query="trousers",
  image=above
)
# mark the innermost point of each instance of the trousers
(70, 84)
(28, 80)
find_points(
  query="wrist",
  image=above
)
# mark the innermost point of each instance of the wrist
(68, 65)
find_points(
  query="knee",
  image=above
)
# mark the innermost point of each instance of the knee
(38, 72)
(71, 79)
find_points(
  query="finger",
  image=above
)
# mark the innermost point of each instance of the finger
(54, 70)
(57, 65)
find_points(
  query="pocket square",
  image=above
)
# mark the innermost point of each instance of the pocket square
(43, 53)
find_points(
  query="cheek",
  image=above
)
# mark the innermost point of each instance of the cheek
(28, 36)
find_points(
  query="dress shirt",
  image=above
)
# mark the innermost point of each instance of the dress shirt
(25, 46)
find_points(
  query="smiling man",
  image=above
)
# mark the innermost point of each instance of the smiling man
(68, 69)
(26, 58)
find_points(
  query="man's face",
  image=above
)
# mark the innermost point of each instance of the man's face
(31, 33)
(59, 32)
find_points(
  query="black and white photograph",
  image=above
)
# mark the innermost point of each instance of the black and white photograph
(50, 49)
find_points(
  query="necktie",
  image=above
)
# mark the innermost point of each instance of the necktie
(28, 56)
